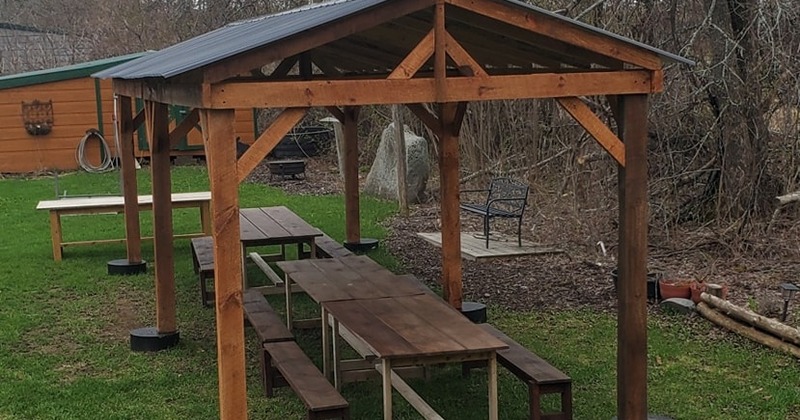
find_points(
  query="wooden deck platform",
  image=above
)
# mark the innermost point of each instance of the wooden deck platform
(473, 247)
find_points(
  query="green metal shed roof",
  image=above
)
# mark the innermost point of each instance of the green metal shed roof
(74, 71)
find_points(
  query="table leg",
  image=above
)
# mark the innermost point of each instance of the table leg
(287, 283)
(386, 372)
(55, 232)
(313, 245)
(205, 217)
(326, 346)
(244, 268)
(337, 368)
(492, 372)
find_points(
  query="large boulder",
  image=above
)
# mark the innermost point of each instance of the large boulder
(382, 178)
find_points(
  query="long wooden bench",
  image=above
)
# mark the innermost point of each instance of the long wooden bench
(318, 395)
(115, 205)
(203, 262)
(541, 377)
(269, 328)
(328, 247)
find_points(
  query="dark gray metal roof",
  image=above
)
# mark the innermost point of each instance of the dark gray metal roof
(247, 35)
(236, 38)
(668, 56)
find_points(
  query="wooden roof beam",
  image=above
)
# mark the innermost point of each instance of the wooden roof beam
(191, 95)
(268, 140)
(461, 57)
(571, 34)
(422, 90)
(595, 127)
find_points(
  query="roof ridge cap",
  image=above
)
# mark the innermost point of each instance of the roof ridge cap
(289, 12)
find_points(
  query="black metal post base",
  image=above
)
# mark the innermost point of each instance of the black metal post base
(149, 339)
(124, 267)
(363, 245)
(474, 311)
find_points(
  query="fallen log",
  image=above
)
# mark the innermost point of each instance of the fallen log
(769, 325)
(747, 331)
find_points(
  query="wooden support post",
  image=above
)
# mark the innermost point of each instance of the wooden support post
(439, 50)
(400, 148)
(451, 222)
(157, 121)
(632, 262)
(352, 210)
(219, 137)
(125, 128)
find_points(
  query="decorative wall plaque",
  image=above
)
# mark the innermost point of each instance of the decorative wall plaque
(38, 117)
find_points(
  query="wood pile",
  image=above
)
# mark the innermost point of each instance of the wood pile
(746, 323)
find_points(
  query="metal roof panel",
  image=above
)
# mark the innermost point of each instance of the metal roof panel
(247, 35)
(236, 38)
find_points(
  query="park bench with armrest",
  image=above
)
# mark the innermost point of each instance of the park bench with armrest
(505, 198)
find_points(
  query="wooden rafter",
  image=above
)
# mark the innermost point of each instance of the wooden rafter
(461, 57)
(423, 90)
(268, 139)
(415, 59)
(571, 34)
(283, 68)
(185, 126)
(595, 127)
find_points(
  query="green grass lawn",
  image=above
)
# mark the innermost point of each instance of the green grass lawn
(64, 332)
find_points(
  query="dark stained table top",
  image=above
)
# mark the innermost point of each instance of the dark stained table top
(348, 278)
(411, 326)
(274, 225)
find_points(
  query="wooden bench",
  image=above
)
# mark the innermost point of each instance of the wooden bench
(116, 205)
(269, 328)
(327, 247)
(318, 395)
(203, 262)
(505, 198)
(541, 377)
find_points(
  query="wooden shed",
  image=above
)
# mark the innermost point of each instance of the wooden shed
(433, 56)
(44, 115)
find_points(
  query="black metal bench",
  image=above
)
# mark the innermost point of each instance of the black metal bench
(505, 198)
(541, 377)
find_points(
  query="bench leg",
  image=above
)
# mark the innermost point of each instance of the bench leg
(486, 229)
(203, 290)
(535, 402)
(566, 402)
(519, 232)
(55, 233)
(267, 376)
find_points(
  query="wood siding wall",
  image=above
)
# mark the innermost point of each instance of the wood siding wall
(74, 112)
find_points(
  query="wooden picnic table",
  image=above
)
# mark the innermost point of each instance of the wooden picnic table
(276, 225)
(414, 329)
(390, 318)
(116, 204)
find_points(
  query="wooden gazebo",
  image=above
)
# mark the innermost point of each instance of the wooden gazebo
(345, 54)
